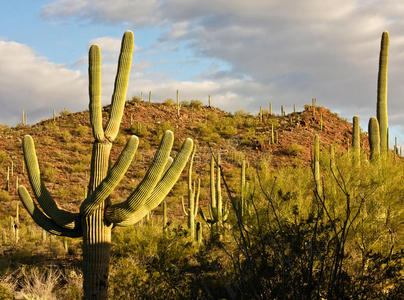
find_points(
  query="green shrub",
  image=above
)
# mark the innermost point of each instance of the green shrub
(5, 293)
(65, 112)
(196, 104)
(4, 196)
(169, 102)
(136, 99)
(293, 149)
(66, 136)
(3, 157)
(185, 103)
(48, 172)
(138, 129)
(81, 130)
(241, 113)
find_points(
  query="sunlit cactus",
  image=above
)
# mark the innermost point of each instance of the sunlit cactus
(97, 215)
(382, 116)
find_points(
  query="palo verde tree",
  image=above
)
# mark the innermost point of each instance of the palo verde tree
(97, 215)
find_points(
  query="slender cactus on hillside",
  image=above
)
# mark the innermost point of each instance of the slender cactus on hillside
(382, 116)
(97, 215)
(356, 142)
(193, 198)
(317, 175)
(374, 139)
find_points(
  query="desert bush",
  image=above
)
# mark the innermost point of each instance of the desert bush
(293, 149)
(169, 102)
(81, 131)
(196, 104)
(139, 129)
(65, 112)
(66, 136)
(3, 157)
(136, 99)
(48, 172)
(4, 196)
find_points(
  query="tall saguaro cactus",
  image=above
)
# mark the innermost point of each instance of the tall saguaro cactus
(382, 93)
(97, 215)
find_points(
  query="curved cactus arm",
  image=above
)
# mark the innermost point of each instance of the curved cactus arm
(114, 176)
(168, 164)
(42, 220)
(94, 79)
(61, 217)
(121, 86)
(127, 213)
(197, 197)
(183, 206)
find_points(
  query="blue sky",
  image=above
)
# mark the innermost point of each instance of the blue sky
(243, 53)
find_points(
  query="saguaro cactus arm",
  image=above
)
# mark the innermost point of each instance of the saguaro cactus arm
(94, 78)
(114, 176)
(42, 220)
(121, 86)
(61, 217)
(131, 211)
(382, 116)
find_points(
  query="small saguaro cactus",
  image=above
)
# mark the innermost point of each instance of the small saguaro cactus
(374, 139)
(193, 198)
(282, 111)
(209, 101)
(321, 120)
(313, 106)
(218, 213)
(317, 175)
(149, 97)
(382, 116)
(270, 109)
(356, 141)
(97, 215)
(294, 108)
(272, 134)
(260, 113)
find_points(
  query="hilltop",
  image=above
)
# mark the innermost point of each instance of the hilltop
(64, 145)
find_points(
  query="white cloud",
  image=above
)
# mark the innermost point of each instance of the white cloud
(328, 49)
(32, 83)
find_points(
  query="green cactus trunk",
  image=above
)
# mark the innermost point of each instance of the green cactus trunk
(209, 101)
(356, 142)
(317, 175)
(374, 139)
(270, 109)
(382, 116)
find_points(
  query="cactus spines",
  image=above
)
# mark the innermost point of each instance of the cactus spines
(317, 175)
(97, 216)
(356, 141)
(374, 138)
(193, 198)
(382, 116)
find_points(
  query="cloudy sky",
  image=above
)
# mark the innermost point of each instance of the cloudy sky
(243, 53)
